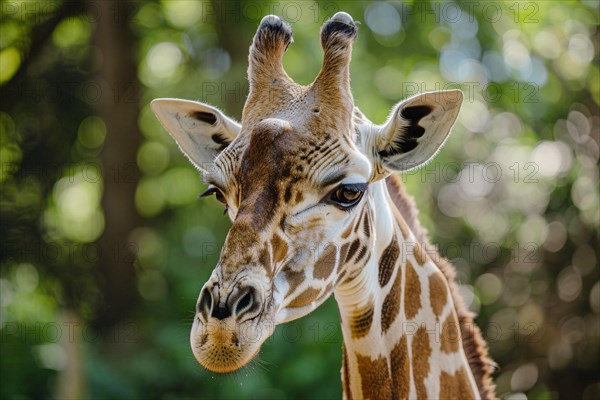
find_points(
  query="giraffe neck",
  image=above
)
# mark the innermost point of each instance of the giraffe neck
(399, 322)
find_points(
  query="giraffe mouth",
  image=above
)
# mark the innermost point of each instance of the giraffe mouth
(224, 359)
(224, 346)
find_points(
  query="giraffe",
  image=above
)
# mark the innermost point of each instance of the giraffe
(308, 182)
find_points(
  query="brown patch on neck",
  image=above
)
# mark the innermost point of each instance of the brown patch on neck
(455, 386)
(325, 264)
(450, 340)
(473, 344)
(391, 303)
(346, 374)
(412, 292)
(361, 320)
(438, 293)
(420, 255)
(400, 368)
(374, 378)
(387, 261)
(421, 350)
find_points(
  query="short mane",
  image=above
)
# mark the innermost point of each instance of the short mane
(474, 346)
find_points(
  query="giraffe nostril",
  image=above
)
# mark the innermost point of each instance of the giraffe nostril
(205, 303)
(221, 313)
(245, 303)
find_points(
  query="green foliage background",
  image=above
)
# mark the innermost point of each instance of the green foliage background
(512, 199)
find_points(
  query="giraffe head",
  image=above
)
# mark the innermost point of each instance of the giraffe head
(297, 177)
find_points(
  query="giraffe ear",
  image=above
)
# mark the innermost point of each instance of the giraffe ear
(416, 129)
(200, 130)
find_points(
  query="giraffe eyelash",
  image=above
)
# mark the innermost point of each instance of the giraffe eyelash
(218, 195)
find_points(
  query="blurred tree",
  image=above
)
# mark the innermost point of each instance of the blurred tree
(232, 37)
(119, 109)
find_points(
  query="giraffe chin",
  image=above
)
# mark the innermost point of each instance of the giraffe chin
(223, 360)
(225, 347)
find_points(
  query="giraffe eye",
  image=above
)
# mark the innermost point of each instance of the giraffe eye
(347, 196)
(218, 195)
(216, 191)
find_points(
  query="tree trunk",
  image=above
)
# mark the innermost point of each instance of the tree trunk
(118, 107)
(233, 33)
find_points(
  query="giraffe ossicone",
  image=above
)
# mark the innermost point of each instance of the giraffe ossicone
(309, 185)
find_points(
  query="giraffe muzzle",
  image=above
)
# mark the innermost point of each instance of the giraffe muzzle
(229, 327)
(242, 301)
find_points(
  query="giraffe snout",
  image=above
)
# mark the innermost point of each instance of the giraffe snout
(242, 301)
(231, 323)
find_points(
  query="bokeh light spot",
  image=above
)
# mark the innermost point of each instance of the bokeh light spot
(182, 13)
(383, 19)
(27, 277)
(91, 132)
(489, 287)
(10, 61)
(72, 32)
(524, 377)
(163, 59)
(153, 158)
(569, 284)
